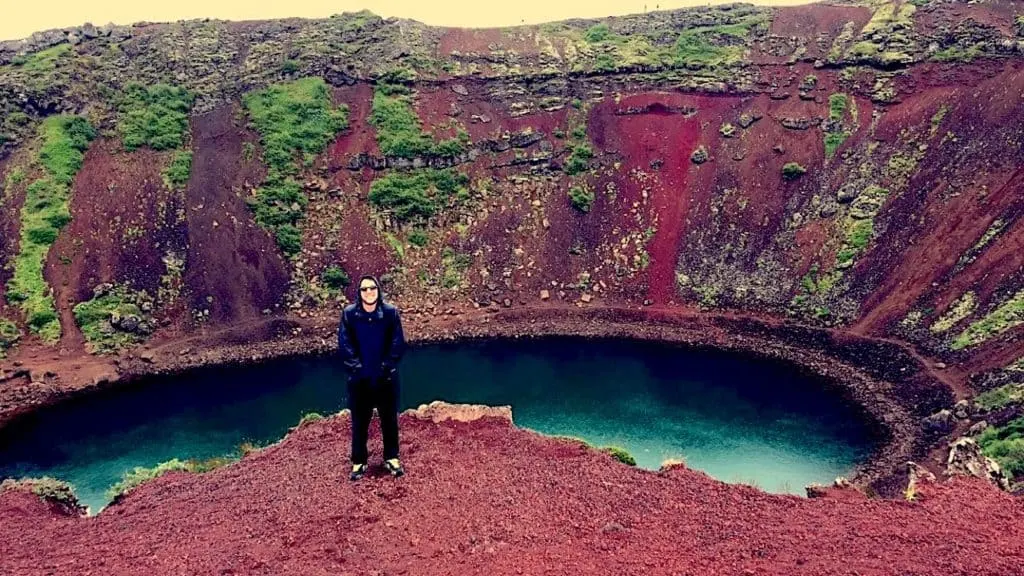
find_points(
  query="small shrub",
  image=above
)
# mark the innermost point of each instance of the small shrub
(579, 159)
(177, 173)
(290, 66)
(419, 238)
(597, 33)
(620, 454)
(792, 171)
(309, 417)
(335, 277)
(582, 198)
(138, 476)
(837, 104)
(1005, 445)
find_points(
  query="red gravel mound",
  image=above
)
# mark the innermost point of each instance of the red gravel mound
(483, 497)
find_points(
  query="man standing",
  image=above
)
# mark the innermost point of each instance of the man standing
(371, 342)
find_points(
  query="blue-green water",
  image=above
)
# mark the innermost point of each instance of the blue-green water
(738, 418)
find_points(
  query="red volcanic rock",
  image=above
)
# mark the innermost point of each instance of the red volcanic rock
(482, 496)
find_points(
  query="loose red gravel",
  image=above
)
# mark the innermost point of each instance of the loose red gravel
(484, 497)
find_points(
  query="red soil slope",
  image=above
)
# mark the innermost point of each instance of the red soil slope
(483, 497)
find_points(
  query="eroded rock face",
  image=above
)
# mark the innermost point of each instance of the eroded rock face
(966, 459)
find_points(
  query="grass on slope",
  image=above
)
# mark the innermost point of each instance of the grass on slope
(418, 195)
(44, 213)
(294, 119)
(1005, 445)
(1009, 315)
(154, 116)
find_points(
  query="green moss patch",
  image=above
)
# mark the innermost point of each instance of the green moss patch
(43, 215)
(139, 475)
(43, 61)
(1005, 445)
(792, 171)
(418, 195)
(620, 454)
(1001, 397)
(295, 120)
(582, 197)
(1008, 315)
(154, 116)
(177, 173)
(114, 318)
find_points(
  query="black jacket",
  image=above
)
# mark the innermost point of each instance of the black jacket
(371, 343)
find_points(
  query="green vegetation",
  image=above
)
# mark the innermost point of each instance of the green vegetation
(1018, 22)
(958, 53)
(177, 173)
(399, 132)
(418, 237)
(838, 105)
(9, 336)
(579, 159)
(792, 171)
(1009, 315)
(620, 454)
(309, 417)
(132, 480)
(860, 229)
(937, 118)
(47, 488)
(290, 66)
(582, 197)
(418, 195)
(44, 60)
(43, 215)
(454, 266)
(1005, 445)
(1001, 397)
(716, 45)
(154, 116)
(334, 277)
(292, 118)
(114, 319)
(960, 309)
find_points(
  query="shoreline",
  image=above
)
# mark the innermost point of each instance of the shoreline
(888, 387)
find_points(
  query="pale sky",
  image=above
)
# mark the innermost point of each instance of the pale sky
(19, 18)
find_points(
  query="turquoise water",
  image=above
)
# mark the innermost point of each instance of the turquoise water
(738, 418)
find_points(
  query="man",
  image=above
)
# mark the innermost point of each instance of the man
(371, 342)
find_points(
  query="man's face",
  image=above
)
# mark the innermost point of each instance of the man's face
(368, 292)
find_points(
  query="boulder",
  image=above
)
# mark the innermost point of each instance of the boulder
(940, 423)
(962, 409)
(966, 459)
(525, 138)
(460, 90)
(700, 155)
(847, 194)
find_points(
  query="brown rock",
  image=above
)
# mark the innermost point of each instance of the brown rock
(544, 295)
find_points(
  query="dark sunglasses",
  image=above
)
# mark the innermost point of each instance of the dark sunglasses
(367, 288)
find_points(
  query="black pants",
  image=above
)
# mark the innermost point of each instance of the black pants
(362, 399)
